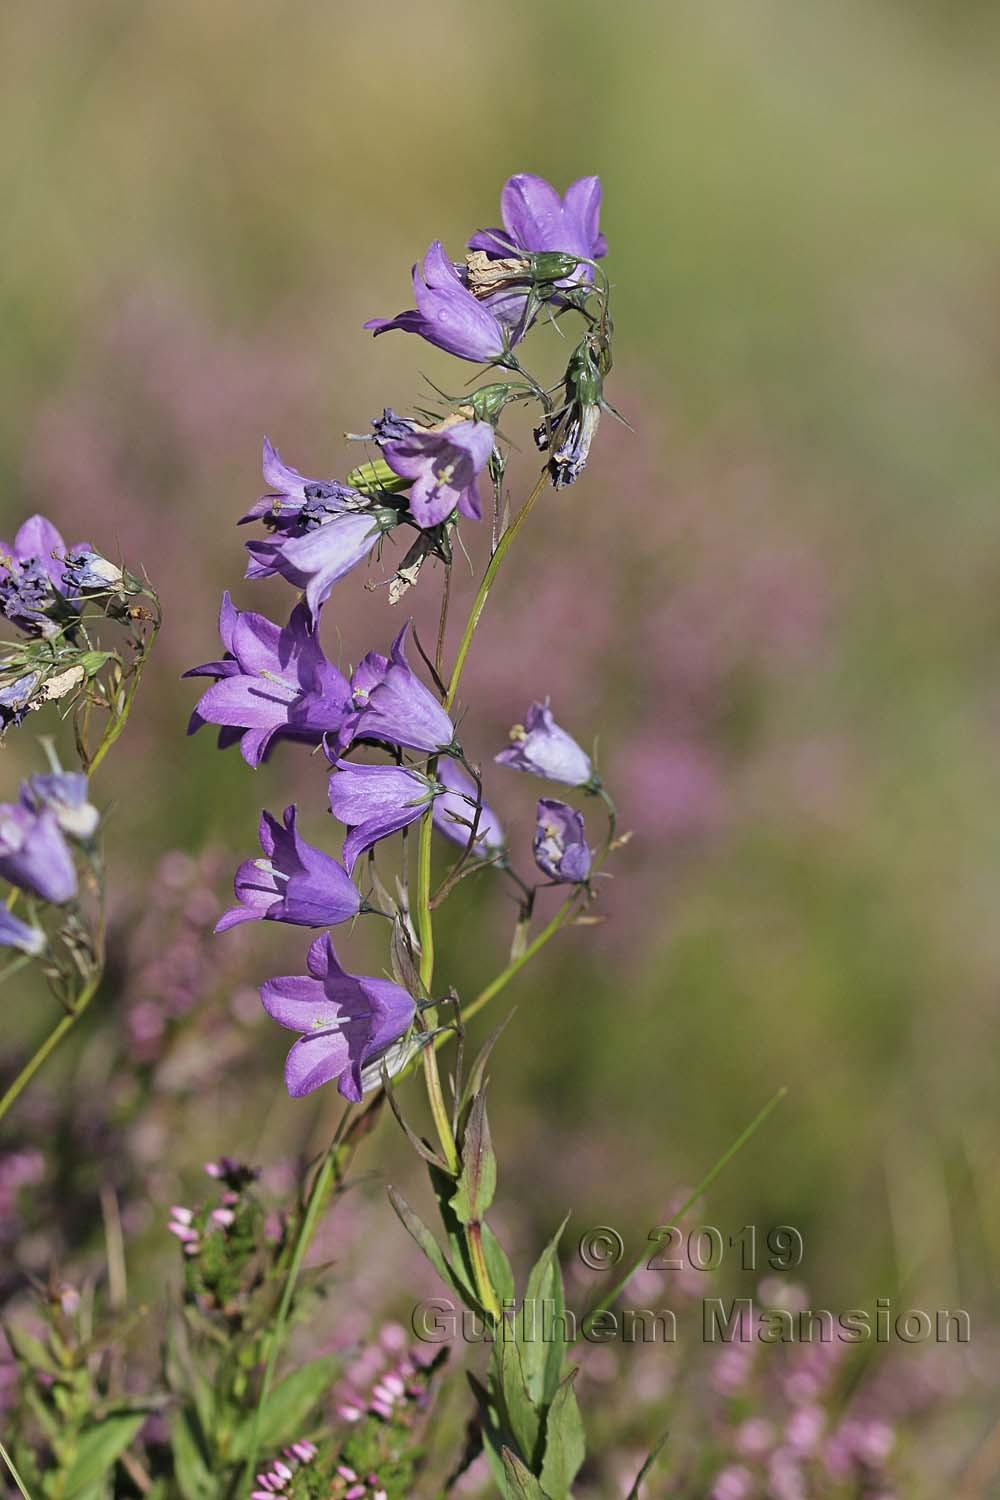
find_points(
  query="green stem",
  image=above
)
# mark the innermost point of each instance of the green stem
(49, 1045)
(493, 567)
(605, 1299)
(480, 1270)
(314, 1205)
(13, 1472)
(119, 721)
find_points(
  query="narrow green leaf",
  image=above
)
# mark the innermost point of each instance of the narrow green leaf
(187, 1448)
(98, 1450)
(477, 1073)
(421, 1235)
(541, 1324)
(288, 1407)
(477, 1180)
(521, 1418)
(565, 1443)
(654, 1454)
(501, 1275)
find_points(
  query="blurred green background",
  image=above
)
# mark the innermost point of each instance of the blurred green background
(777, 602)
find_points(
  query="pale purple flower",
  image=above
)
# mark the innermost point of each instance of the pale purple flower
(540, 747)
(536, 219)
(400, 709)
(17, 934)
(444, 466)
(376, 801)
(15, 698)
(560, 843)
(272, 682)
(31, 570)
(67, 795)
(87, 572)
(294, 882)
(454, 812)
(34, 855)
(447, 314)
(348, 1022)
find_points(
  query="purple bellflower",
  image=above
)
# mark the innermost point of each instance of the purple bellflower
(540, 747)
(294, 882)
(453, 813)
(560, 843)
(16, 698)
(376, 801)
(31, 573)
(348, 1023)
(272, 682)
(400, 709)
(322, 529)
(447, 314)
(536, 219)
(66, 795)
(17, 934)
(34, 855)
(444, 466)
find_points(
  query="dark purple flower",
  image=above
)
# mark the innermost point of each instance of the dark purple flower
(536, 219)
(540, 747)
(17, 934)
(444, 466)
(67, 796)
(560, 843)
(447, 314)
(34, 855)
(294, 882)
(387, 428)
(349, 1023)
(376, 801)
(453, 813)
(15, 698)
(31, 571)
(400, 708)
(271, 682)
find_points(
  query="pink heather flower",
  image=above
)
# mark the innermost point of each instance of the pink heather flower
(734, 1483)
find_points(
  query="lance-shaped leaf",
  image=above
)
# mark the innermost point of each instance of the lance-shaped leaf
(520, 1416)
(654, 1454)
(478, 1178)
(521, 1483)
(421, 1235)
(98, 1450)
(476, 1079)
(565, 1444)
(288, 1407)
(542, 1324)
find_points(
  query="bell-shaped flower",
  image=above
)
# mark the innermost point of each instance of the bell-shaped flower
(271, 683)
(17, 934)
(454, 813)
(540, 747)
(31, 579)
(536, 219)
(376, 801)
(401, 710)
(560, 843)
(447, 314)
(293, 882)
(444, 465)
(348, 1023)
(66, 795)
(17, 698)
(34, 855)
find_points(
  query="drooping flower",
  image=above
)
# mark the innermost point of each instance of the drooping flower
(348, 1022)
(294, 882)
(541, 747)
(447, 314)
(322, 529)
(87, 572)
(560, 843)
(31, 591)
(17, 934)
(376, 801)
(444, 466)
(568, 435)
(67, 796)
(453, 813)
(400, 708)
(536, 219)
(271, 682)
(34, 855)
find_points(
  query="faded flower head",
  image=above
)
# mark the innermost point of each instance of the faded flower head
(67, 795)
(31, 579)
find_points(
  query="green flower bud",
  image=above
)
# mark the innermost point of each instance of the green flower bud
(374, 477)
